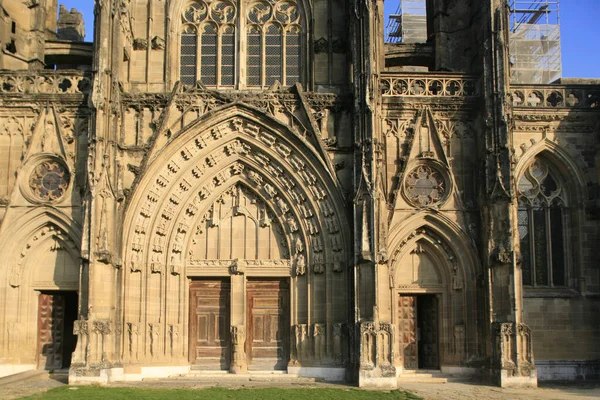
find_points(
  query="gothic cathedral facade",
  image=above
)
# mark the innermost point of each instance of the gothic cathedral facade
(250, 185)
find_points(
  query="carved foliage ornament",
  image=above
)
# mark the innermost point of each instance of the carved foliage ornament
(424, 186)
(49, 180)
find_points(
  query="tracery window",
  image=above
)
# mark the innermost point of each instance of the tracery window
(210, 43)
(541, 219)
(269, 27)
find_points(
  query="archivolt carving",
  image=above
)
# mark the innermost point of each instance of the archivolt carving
(236, 150)
(62, 241)
(433, 238)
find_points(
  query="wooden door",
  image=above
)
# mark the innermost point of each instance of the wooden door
(267, 344)
(407, 331)
(428, 328)
(51, 331)
(210, 344)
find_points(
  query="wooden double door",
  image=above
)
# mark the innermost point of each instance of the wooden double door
(418, 331)
(57, 312)
(267, 324)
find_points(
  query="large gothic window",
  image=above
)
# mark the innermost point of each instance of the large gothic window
(274, 48)
(211, 40)
(208, 43)
(541, 217)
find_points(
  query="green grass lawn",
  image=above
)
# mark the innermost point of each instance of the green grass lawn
(98, 392)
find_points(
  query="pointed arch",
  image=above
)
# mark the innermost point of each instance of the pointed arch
(235, 146)
(441, 232)
(15, 238)
(568, 169)
(551, 194)
(431, 244)
(22, 277)
(235, 143)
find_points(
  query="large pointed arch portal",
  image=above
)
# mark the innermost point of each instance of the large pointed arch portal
(234, 203)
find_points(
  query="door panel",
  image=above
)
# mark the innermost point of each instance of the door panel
(209, 324)
(428, 326)
(51, 319)
(267, 345)
(407, 327)
(57, 312)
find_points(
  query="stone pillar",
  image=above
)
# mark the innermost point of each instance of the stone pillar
(511, 358)
(238, 318)
(99, 326)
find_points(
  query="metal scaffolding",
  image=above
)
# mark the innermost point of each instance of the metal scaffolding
(408, 24)
(535, 41)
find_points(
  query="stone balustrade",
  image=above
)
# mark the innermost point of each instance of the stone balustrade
(45, 81)
(429, 85)
(555, 96)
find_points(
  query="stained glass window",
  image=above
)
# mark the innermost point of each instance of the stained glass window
(541, 222)
(210, 42)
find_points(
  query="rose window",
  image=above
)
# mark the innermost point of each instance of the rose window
(49, 180)
(424, 186)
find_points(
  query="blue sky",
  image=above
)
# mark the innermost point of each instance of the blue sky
(580, 34)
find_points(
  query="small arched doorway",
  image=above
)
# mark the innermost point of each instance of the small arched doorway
(431, 311)
(420, 293)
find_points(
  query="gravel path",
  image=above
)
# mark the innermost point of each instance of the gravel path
(429, 391)
(473, 391)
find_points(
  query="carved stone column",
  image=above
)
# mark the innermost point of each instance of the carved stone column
(80, 355)
(376, 355)
(238, 352)
(238, 363)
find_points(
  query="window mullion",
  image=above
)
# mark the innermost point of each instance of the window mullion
(532, 247)
(219, 53)
(549, 245)
(283, 56)
(240, 49)
(198, 54)
(263, 57)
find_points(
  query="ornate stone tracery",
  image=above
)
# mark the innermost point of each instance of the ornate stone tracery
(424, 186)
(49, 180)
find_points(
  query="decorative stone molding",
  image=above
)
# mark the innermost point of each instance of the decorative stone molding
(62, 241)
(238, 267)
(376, 351)
(504, 346)
(410, 84)
(140, 44)
(158, 43)
(43, 81)
(555, 96)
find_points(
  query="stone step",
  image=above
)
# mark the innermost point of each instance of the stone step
(422, 371)
(422, 376)
(419, 379)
